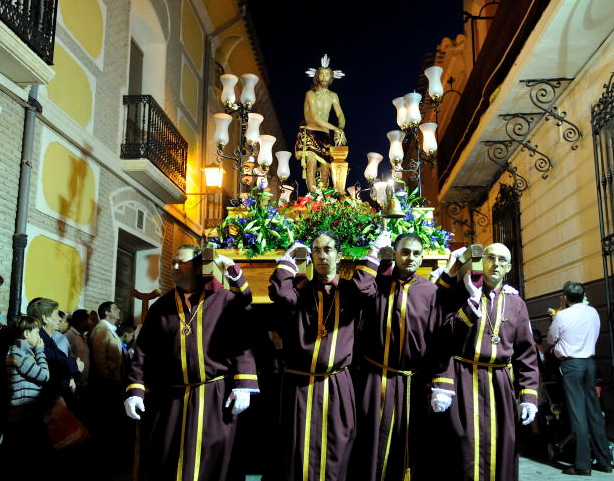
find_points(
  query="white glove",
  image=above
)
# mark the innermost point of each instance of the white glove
(383, 240)
(475, 293)
(441, 399)
(454, 255)
(527, 413)
(132, 404)
(241, 400)
(224, 262)
(291, 252)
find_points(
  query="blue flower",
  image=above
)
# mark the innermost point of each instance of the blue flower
(242, 220)
(271, 211)
(250, 238)
(249, 201)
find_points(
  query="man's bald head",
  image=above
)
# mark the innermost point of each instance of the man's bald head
(496, 261)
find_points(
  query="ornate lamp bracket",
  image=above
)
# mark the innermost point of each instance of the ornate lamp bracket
(517, 127)
(474, 218)
(499, 152)
(543, 93)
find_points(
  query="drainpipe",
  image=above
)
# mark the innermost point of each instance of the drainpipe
(20, 239)
(207, 83)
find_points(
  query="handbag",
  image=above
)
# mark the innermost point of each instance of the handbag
(63, 427)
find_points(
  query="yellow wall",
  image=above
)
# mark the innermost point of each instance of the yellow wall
(192, 35)
(69, 185)
(84, 19)
(189, 91)
(71, 88)
(53, 270)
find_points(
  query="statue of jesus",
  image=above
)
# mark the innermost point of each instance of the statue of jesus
(314, 137)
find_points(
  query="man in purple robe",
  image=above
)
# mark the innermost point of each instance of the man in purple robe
(192, 372)
(316, 325)
(493, 361)
(395, 338)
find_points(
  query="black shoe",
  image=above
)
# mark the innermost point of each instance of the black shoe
(603, 468)
(579, 472)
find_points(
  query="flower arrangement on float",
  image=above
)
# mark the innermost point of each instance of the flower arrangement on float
(259, 227)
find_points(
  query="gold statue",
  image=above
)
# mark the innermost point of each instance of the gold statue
(314, 137)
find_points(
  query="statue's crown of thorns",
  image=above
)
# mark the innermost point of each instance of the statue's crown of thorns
(324, 63)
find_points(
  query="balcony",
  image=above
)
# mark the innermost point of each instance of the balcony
(154, 153)
(27, 37)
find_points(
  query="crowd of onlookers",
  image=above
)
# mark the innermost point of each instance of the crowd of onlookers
(78, 358)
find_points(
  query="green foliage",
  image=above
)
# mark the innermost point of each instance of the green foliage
(257, 228)
(261, 227)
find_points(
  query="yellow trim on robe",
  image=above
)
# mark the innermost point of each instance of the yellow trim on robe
(308, 414)
(464, 318)
(386, 348)
(239, 289)
(527, 391)
(136, 386)
(366, 269)
(476, 412)
(288, 268)
(251, 377)
(446, 380)
(184, 369)
(201, 392)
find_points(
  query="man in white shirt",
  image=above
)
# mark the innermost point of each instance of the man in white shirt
(574, 332)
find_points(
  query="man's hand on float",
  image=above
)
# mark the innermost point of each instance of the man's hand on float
(451, 265)
(292, 252)
(224, 262)
(383, 240)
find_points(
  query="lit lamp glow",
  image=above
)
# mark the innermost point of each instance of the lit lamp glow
(373, 160)
(412, 101)
(429, 141)
(214, 176)
(283, 164)
(265, 155)
(396, 154)
(248, 94)
(401, 107)
(379, 193)
(253, 127)
(228, 89)
(435, 87)
(222, 122)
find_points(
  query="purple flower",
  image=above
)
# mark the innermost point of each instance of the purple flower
(249, 201)
(250, 239)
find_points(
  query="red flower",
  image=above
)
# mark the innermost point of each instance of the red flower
(316, 206)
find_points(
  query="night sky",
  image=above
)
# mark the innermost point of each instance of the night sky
(380, 50)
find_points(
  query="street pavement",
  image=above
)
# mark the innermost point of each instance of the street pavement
(531, 470)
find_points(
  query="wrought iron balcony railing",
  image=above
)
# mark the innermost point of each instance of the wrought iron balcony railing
(33, 21)
(151, 135)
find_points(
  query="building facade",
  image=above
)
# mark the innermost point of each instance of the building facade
(106, 131)
(525, 148)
